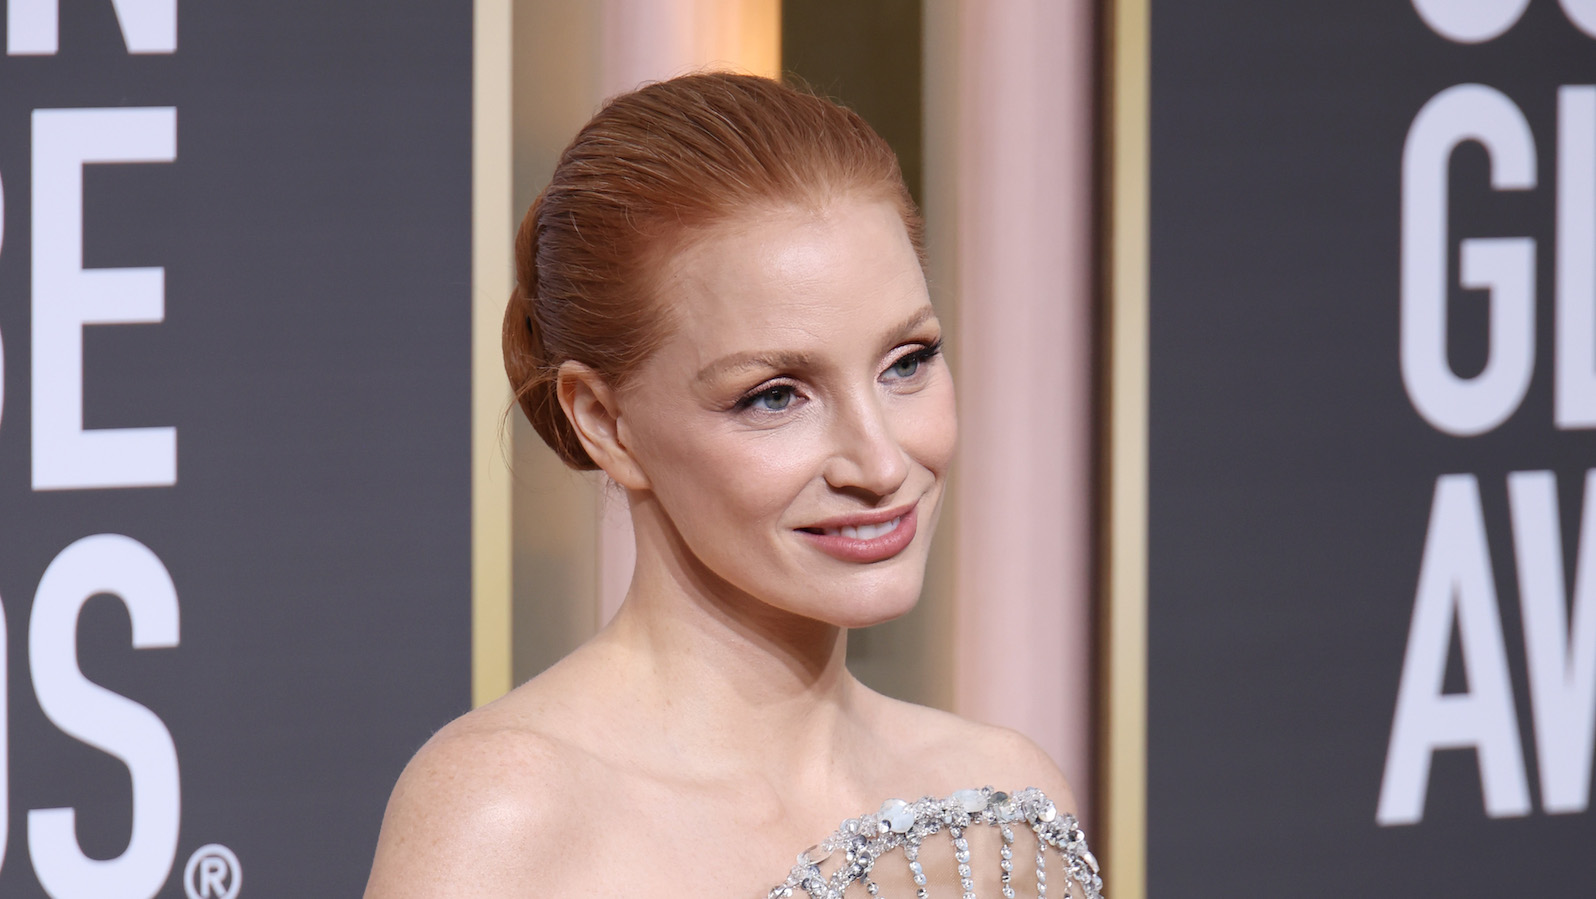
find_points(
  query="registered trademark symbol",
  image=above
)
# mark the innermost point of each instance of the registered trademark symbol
(212, 872)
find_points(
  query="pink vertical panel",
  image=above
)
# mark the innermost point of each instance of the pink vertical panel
(1023, 626)
(651, 40)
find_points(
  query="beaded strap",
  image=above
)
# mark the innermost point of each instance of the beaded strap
(899, 824)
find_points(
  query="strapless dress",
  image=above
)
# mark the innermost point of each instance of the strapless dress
(842, 864)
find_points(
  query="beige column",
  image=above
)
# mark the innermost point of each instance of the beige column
(490, 283)
(573, 547)
(1124, 722)
(651, 40)
(1011, 165)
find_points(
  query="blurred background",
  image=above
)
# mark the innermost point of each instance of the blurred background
(991, 111)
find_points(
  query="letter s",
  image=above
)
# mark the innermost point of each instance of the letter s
(105, 563)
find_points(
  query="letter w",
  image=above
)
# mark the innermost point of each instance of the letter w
(1561, 660)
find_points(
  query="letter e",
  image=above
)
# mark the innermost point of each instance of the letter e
(66, 296)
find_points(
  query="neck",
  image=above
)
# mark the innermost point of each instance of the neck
(730, 676)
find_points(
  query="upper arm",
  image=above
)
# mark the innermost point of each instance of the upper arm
(470, 816)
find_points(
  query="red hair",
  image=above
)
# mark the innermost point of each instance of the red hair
(655, 167)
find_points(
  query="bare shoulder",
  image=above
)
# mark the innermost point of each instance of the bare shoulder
(970, 754)
(1022, 763)
(466, 815)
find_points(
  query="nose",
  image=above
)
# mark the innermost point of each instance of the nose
(866, 455)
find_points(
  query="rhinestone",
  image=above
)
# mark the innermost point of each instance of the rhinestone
(901, 820)
(971, 800)
(904, 825)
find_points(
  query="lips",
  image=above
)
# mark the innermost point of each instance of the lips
(864, 538)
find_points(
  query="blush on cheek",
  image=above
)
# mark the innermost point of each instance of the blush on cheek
(933, 430)
(728, 487)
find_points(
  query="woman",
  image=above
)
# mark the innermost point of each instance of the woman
(721, 305)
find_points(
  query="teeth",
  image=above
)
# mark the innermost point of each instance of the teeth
(865, 531)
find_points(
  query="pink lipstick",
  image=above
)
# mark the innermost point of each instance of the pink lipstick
(865, 537)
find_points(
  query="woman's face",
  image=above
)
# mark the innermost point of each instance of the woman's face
(797, 426)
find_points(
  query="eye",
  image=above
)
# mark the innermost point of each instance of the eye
(906, 366)
(771, 399)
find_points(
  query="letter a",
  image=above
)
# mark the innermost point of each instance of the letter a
(1455, 581)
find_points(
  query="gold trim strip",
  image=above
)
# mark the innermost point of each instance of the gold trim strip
(1125, 624)
(491, 268)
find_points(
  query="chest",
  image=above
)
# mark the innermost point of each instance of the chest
(642, 838)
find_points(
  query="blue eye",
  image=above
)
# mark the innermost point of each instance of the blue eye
(906, 366)
(774, 399)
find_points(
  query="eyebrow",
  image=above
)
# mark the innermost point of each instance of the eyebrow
(782, 359)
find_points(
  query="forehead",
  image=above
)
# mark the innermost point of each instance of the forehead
(793, 275)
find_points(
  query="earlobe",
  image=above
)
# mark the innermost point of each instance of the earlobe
(591, 407)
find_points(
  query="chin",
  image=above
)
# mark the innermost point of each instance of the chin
(871, 604)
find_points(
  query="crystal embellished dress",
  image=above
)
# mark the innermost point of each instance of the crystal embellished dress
(942, 847)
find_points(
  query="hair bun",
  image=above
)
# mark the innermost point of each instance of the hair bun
(527, 361)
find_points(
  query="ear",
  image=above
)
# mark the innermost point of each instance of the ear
(591, 408)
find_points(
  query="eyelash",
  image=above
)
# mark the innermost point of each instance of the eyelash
(921, 356)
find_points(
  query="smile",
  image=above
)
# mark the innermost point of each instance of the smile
(863, 541)
(863, 531)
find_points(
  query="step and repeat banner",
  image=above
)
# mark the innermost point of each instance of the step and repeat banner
(1372, 414)
(234, 436)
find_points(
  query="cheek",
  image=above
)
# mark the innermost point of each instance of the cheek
(930, 429)
(711, 478)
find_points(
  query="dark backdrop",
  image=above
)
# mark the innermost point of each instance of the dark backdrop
(1291, 478)
(314, 359)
